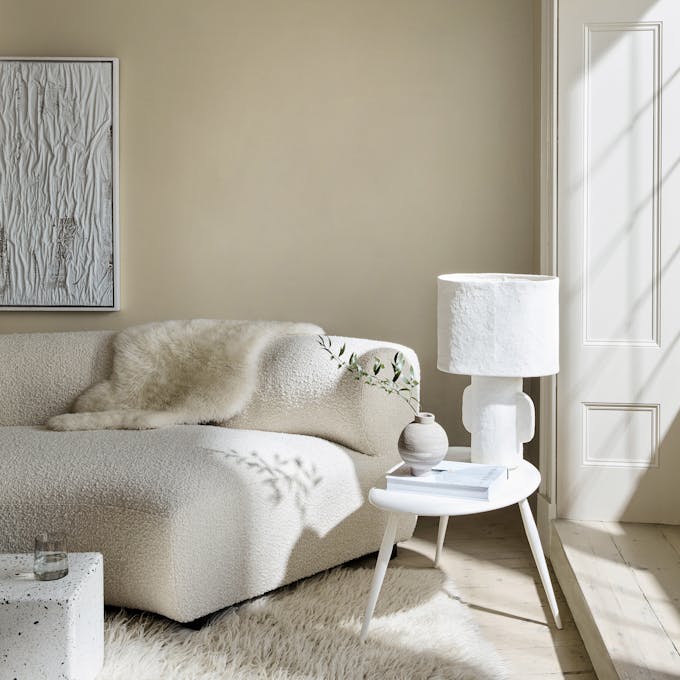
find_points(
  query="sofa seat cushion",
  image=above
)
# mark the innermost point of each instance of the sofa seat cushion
(190, 518)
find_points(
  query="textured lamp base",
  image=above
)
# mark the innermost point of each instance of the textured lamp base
(500, 418)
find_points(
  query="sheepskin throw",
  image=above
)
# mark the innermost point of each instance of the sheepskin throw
(177, 372)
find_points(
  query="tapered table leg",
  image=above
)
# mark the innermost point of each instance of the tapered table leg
(539, 558)
(443, 522)
(380, 569)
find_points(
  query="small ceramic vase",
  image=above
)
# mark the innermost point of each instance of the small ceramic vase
(423, 444)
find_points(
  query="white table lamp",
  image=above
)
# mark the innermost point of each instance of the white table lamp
(498, 328)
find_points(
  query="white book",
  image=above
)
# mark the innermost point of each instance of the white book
(449, 478)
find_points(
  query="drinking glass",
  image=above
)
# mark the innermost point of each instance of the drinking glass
(50, 560)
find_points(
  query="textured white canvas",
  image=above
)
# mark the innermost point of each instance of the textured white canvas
(58, 184)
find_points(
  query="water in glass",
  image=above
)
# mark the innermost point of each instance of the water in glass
(50, 560)
(50, 565)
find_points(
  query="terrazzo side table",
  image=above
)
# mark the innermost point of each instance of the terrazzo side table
(51, 630)
(521, 483)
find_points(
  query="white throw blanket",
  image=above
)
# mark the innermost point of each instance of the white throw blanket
(177, 372)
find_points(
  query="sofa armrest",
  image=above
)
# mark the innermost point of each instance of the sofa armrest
(302, 391)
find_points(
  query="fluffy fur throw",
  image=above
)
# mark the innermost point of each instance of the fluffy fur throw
(177, 372)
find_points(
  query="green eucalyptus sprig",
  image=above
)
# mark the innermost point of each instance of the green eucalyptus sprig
(403, 385)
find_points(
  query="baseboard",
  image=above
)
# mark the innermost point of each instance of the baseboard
(545, 514)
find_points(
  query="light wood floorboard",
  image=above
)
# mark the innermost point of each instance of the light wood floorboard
(489, 559)
(623, 581)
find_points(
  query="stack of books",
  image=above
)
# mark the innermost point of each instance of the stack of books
(450, 478)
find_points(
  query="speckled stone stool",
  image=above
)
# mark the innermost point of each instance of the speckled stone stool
(51, 629)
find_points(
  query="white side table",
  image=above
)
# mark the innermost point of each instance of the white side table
(51, 629)
(522, 482)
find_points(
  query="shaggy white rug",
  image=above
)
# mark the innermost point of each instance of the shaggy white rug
(310, 631)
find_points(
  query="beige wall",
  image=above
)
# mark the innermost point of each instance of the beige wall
(320, 160)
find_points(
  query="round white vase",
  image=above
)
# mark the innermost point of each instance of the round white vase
(423, 444)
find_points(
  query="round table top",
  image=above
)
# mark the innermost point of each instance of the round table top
(521, 483)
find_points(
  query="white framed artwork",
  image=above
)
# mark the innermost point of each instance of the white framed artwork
(59, 184)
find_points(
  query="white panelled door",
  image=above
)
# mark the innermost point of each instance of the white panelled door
(618, 391)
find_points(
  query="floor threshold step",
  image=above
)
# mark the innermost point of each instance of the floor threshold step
(622, 584)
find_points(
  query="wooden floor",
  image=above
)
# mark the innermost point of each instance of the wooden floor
(489, 559)
(623, 581)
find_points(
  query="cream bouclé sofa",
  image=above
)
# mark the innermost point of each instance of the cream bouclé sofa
(193, 518)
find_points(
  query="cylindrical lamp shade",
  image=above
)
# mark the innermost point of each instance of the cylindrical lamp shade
(504, 325)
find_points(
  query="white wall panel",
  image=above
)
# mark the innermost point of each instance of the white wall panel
(621, 162)
(625, 435)
(618, 244)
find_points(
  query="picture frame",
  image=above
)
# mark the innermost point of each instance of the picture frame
(59, 189)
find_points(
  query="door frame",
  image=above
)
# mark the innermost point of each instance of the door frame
(546, 509)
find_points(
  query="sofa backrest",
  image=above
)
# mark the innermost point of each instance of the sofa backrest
(300, 390)
(41, 374)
